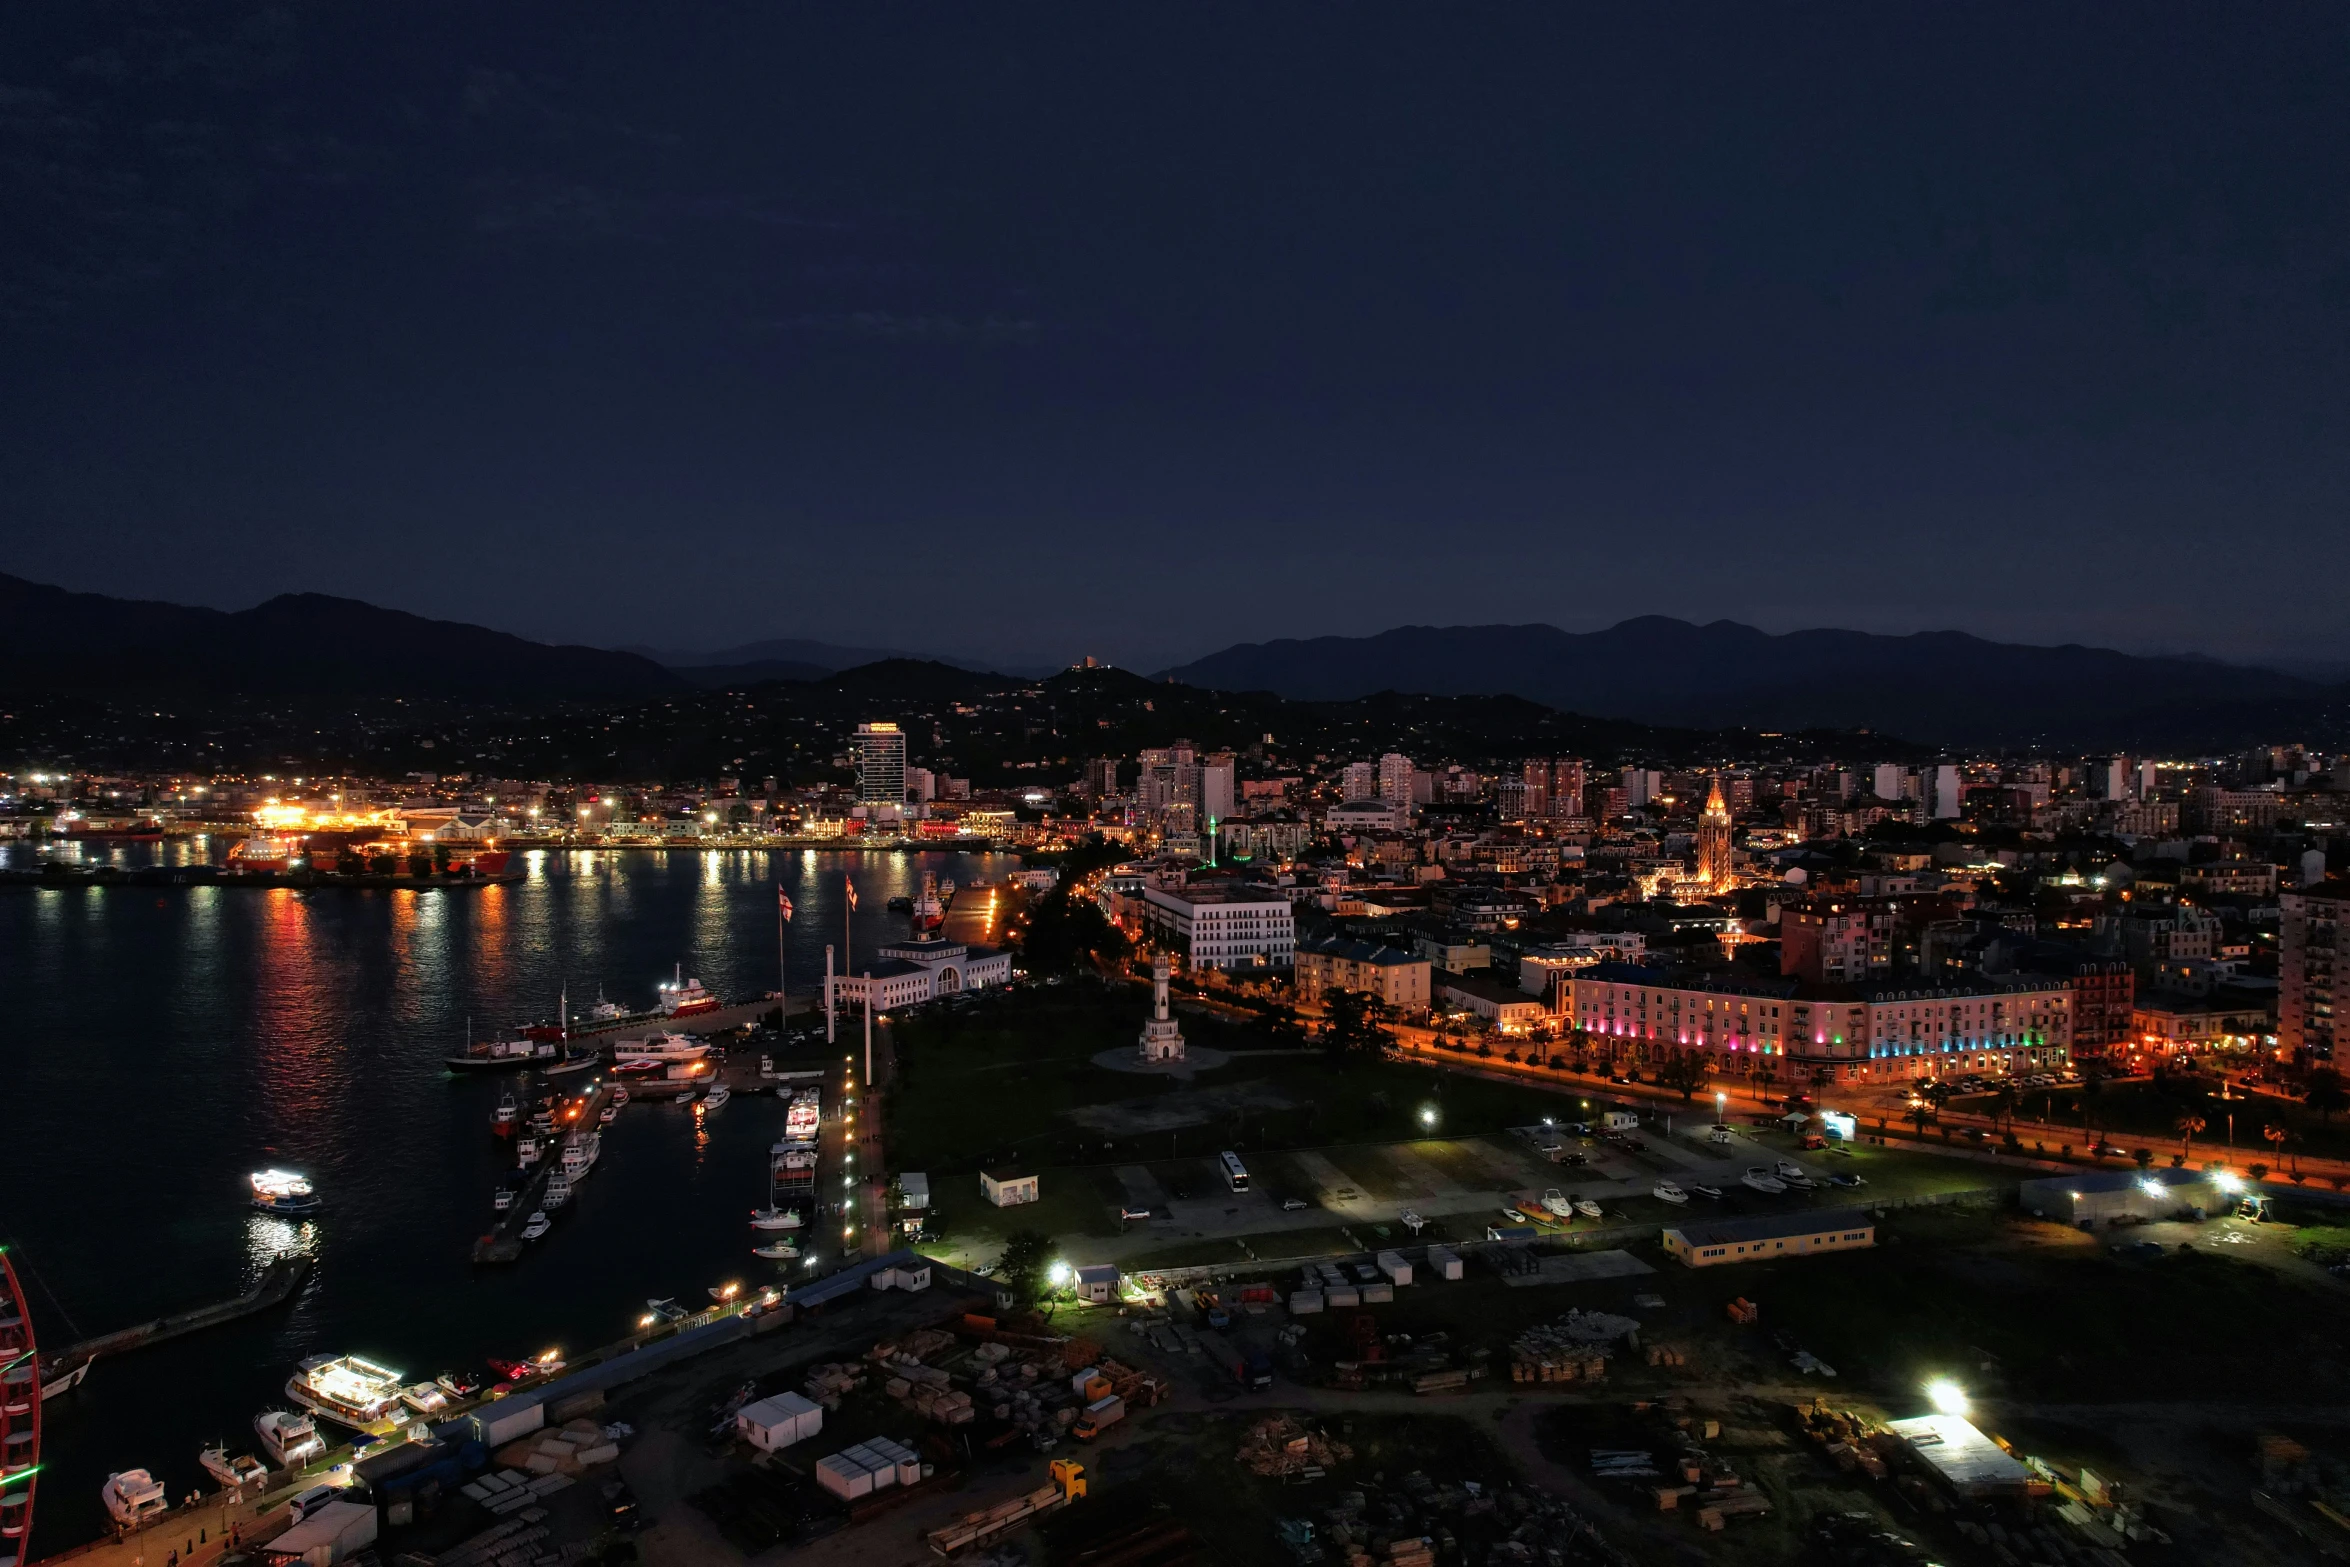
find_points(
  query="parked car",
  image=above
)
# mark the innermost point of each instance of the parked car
(1293, 1204)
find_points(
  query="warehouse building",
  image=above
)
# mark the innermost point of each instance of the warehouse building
(1713, 1243)
(2096, 1197)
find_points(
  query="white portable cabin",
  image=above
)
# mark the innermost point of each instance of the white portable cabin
(1444, 1262)
(778, 1422)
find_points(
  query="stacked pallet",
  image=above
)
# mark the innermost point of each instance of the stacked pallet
(1412, 1551)
(1558, 1366)
(566, 1450)
(1667, 1355)
(827, 1382)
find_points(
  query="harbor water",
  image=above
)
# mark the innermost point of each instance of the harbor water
(160, 1044)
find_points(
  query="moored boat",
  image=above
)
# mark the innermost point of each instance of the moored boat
(774, 1218)
(290, 1440)
(718, 1095)
(133, 1496)
(776, 1250)
(504, 1055)
(537, 1227)
(681, 997)
(1666, 1191)
(346, 1389)
(232, 1470)
(1586, 1207)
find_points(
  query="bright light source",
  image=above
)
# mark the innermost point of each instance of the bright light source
(2152, 1187)
(645, 1321)
(1428, 1115)
(1061, 1274)
(2227, 1180)
(1947, 1397)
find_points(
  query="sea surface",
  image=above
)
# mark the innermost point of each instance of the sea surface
(157, 1045)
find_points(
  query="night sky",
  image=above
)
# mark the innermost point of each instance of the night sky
(1021, 333)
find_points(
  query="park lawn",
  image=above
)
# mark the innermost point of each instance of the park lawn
(994, 1080)
(1069, 1202)
(2139, 1115)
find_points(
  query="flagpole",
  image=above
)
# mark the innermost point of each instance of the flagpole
(782, 973)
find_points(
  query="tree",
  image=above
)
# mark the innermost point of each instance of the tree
(2326, 1094)
(1684, 1070)
(2144, 1158)
(1282, 1027)
(2004, 1103)
(1354, 1025)
(2257, 1171)
(1021, 1268)
(2188, 1125)
(2278, 1136)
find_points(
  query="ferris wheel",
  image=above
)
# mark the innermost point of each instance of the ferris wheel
(20, 1417)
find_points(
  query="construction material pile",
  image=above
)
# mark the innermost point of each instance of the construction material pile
(1279, 1445)
(1852, 1442)
(1420, 1520)
(826, 1383)
(1573, 1349)
(1667, 1355)
(565, 1450)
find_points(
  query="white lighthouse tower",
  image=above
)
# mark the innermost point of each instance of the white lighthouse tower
(1162, 1037)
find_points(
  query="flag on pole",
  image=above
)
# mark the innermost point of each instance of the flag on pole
(852, 886)
(783, 902)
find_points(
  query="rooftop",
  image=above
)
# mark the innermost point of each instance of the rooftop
(1358, 951)
(1963, 1457)
(1769, 1227)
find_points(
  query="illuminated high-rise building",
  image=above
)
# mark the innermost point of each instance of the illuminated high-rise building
(880, 754)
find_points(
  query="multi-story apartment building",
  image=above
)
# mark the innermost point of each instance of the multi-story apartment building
(1223, 928)
(1912, 1029)
(880, 753)
(1398, 978)
(2313, 961)
(1829, 942)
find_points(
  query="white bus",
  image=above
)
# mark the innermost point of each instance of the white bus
(1235, 1173)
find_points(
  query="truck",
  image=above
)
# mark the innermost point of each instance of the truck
(1247, 1365)
(1098, 1417)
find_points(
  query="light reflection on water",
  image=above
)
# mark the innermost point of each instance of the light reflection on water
(269, 1236)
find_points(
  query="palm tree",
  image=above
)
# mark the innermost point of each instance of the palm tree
(2005, 1101)
(2188, 1126)
(2278, 1136)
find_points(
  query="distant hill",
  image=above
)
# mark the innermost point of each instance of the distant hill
(823, 657)
(1942, 687)
(298, 644)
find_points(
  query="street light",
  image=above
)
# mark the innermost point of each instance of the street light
(1947, 1397)
(1428, 1116)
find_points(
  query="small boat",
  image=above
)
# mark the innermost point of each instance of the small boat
(666, 1309)
(507, 1117)
(1586, 1207)
(1759, 1178)
(607, 1115)
(290, 1440)
(1709, 1193)
(282, 1191)
(1666, 1191)
(133, 1496)
(774, 1218)
(232, 1469)
(776, 1249)
(426, 1398)
(718, 1095)
(548, 1363)
(1557, 1202)
(59, 1377)
(458, 1384)
(619, 1094)
(537, 1227)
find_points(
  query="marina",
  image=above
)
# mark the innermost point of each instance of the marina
(315, 1026)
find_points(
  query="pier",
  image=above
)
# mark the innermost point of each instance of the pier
(278, 1281)
(504, 1242)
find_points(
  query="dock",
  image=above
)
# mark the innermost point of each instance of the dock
(504, 1242)
(278, 1281)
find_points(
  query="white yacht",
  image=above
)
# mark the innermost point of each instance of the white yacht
(289, 1439)
(232, 1470)
(668, 1047)
(717, 1096)
(538, 1226)
(1666, 1191)
(774, 1218)
(346, 1389)
(426, 1398)
(134, 1496)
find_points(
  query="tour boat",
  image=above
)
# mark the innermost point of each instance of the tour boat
(776, 1249)
(134, 1496)
(289, 1439)
(282, 1191)
(1586, 1207)
(718, 1095)
(774, 1218)
(681, 996)
(557, 1194)
(345, 1389)
(1761, 1179)
(580, 1152)
(805, 1115)
(538, 1226)
(528, 1148)
(1666, 1191)
(232, 1469)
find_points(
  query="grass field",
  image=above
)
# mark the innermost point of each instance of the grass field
(996, 1079)
(2145, 1115)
